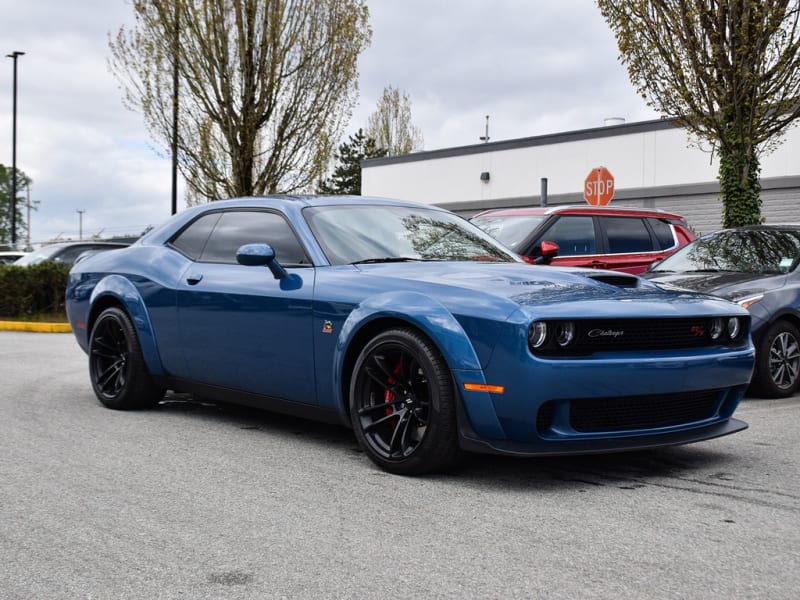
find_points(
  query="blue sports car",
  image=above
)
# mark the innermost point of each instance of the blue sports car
(410, 325)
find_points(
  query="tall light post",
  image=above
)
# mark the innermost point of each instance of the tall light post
(175, 74)
(14, 55)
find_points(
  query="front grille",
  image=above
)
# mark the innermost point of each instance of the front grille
(615, 335)
(592, 415)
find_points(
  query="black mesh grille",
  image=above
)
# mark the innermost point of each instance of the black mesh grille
(592, 415)
(611, 335)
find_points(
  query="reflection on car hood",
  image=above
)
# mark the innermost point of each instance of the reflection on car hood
(727, 284)
(548, 289)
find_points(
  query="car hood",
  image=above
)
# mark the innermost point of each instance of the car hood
(546, 290)
(729, 285)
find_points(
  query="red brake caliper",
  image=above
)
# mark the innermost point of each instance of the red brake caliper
(387, 395)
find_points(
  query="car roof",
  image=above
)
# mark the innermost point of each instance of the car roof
(86, 243)
(619, 211)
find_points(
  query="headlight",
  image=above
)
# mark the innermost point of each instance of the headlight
(537, 335)
(565, 333)
(717, 327)
(734, 327)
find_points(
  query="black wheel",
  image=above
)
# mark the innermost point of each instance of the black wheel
(402, 404)
(777, 372)
(116, 365)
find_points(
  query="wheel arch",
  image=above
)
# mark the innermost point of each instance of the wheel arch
(116, 290)
(789, 315)
(411, 310)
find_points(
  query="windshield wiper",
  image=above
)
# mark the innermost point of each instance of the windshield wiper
(387, 259)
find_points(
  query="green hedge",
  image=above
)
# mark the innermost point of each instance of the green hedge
(33, 293)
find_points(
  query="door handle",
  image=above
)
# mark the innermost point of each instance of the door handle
(194, 278)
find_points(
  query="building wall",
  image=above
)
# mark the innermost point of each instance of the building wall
(653, 164)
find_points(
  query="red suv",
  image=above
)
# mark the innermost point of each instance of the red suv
(623, 239)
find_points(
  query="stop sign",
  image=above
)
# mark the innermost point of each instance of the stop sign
(598, 187)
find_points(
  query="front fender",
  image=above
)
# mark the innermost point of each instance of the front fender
(126, 293)
(435, 321)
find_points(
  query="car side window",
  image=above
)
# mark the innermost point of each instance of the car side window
(663, 233)
(627, 235)
(573, 234)
(192, 239)
(69, 255)
(237, 228)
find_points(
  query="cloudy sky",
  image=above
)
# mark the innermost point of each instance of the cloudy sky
(535, 66)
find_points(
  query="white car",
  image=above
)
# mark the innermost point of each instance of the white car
(10, 256)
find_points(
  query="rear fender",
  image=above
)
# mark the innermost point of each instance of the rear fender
(124, 293)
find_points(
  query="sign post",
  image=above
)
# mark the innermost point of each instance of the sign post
(598, 187)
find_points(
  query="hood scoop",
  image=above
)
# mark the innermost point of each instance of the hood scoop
(620, 280)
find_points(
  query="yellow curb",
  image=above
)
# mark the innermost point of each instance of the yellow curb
(32, 326)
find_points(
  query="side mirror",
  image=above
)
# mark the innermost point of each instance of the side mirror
(256, 255)
(549, 250)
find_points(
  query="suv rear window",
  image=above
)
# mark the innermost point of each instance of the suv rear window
(626, 235)
(663, 233)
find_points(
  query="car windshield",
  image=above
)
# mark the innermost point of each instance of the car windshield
(512, 230)
(743, 251)
(379, 233)
(38, 256)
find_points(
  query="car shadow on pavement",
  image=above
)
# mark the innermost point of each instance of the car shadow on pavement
(622, 470)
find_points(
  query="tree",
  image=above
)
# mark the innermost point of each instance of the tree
(346, 177)
(390, 125)
(727, 70)
(23, 183)
(265, 85)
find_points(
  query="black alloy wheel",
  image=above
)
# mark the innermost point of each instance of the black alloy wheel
(402, 404)
(116, 365)
(778, 361)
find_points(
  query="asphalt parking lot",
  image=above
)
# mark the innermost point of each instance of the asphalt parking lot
(194, 500)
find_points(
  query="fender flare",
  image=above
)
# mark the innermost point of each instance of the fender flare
(124, 292)
(438, 323)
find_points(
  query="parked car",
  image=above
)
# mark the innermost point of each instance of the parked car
(623, 239)
(66, 252)
(410, 325)
(9, 256)
(757, 267)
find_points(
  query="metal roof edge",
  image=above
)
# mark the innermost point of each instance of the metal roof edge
(526, 142)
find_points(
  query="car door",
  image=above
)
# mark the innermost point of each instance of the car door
(576, 238)
(630, 245)
(240, 328)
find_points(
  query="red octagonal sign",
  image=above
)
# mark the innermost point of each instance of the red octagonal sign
(598, 187)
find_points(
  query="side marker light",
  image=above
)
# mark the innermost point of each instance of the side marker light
(484, 387)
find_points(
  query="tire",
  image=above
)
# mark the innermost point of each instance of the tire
(777, 373)
(116, 366)
(402, 404)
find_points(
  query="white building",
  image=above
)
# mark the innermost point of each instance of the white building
(653, 164)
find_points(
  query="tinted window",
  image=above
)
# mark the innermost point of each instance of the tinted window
(574, 235)
(663, 233)
(237, 228)
(627, 235)
(192, 240)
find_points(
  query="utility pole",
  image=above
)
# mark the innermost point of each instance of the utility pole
(13, 56)
(80, 223)
(28, 222)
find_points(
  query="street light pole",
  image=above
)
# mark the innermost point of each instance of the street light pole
(14, 55)
(175, 75)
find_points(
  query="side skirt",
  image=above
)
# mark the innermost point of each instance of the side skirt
(269, 403)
